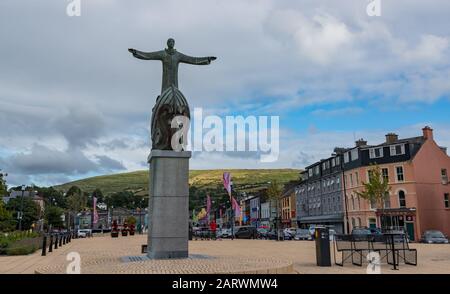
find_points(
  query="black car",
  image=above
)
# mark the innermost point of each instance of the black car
(246, 232)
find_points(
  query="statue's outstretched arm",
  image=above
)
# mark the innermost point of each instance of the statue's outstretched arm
(146, 55)
(196, 60)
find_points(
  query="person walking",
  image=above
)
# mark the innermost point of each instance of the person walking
(213, 229)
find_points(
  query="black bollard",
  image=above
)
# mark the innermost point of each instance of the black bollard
(44, 245)
(56, 241)
(50, 248)
(60, 240)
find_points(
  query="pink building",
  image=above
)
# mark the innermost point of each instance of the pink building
(417, 171)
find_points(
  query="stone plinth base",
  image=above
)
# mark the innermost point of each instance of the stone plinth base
(168, 204)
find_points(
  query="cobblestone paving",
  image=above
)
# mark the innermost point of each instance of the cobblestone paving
(105, 255)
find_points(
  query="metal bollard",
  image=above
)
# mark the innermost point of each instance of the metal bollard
(44, 245)
(50, 248)
(56, 241)
(64, 239)
(60, 240)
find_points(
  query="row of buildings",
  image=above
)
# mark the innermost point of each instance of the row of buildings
(417, 172)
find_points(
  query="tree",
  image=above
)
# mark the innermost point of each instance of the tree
(7, 222)
(76, 201)
(274, 195)
(99, 195)
(52, 196)
(30, 211)
(376, 190)
(3, 186)
(53, 216)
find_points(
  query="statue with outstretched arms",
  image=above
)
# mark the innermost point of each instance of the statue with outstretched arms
(170, 59)
(171, 102)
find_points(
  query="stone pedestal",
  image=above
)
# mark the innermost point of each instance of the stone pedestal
(168, 204)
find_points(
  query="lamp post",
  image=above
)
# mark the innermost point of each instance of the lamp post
(21, 208)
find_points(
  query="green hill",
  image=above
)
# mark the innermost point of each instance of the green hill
(246, 180)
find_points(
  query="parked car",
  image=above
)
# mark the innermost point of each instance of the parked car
(302, 234)
(224, 233)
(361, 232)
(83, 233)
(434, 236)
(312, 230)
(245, 232)
(271, 235)
(375, 231)
(332, 233)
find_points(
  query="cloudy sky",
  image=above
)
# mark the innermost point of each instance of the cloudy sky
(74, 103)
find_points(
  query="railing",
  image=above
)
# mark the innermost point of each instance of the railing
(53, 241)
(392, 249)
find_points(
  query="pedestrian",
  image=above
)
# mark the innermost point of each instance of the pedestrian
(213, 228)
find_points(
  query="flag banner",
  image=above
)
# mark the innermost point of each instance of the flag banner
(208, 206)
(94, 211)
(236, 207)
(227, 182)
(202, 214)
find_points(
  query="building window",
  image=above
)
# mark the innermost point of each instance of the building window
(333, 162)
(338, 161)
(353, 222)
(373, 204)
(402, 199)
(446, 204)
(354, 154)
(376, 152)
(351, 180)
(385, 173)
(444, 176)
(359, 222)
(357, 178)
(387, 201)
(346, 157)
(353, 203)
(397, 149)
(317, 170)
(400, 175)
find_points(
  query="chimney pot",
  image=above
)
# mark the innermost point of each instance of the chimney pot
(427, 133)
(360, 143)
(391, 138)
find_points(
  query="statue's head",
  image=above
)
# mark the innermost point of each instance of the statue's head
(170, 43)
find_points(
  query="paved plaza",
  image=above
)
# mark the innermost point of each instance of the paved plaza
(102, 254)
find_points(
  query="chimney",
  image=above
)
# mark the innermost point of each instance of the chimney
(360, 143)
(391, 138)
(427, 133)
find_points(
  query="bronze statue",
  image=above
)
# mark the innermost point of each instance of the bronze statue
(171, 102)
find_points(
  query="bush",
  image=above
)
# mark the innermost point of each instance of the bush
(24, 250)
(19, 243)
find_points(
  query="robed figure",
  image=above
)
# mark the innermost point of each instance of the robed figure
(171, 103)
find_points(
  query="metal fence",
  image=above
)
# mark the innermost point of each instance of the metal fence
(393, 249)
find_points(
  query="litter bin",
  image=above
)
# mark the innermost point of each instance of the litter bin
(322, 237)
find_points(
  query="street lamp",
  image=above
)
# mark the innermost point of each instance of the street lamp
(21, 208)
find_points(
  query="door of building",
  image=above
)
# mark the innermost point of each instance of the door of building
(410, 230)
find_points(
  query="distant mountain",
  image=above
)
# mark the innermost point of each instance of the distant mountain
(201, 182)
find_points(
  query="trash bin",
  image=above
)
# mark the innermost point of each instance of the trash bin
(322, 238)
